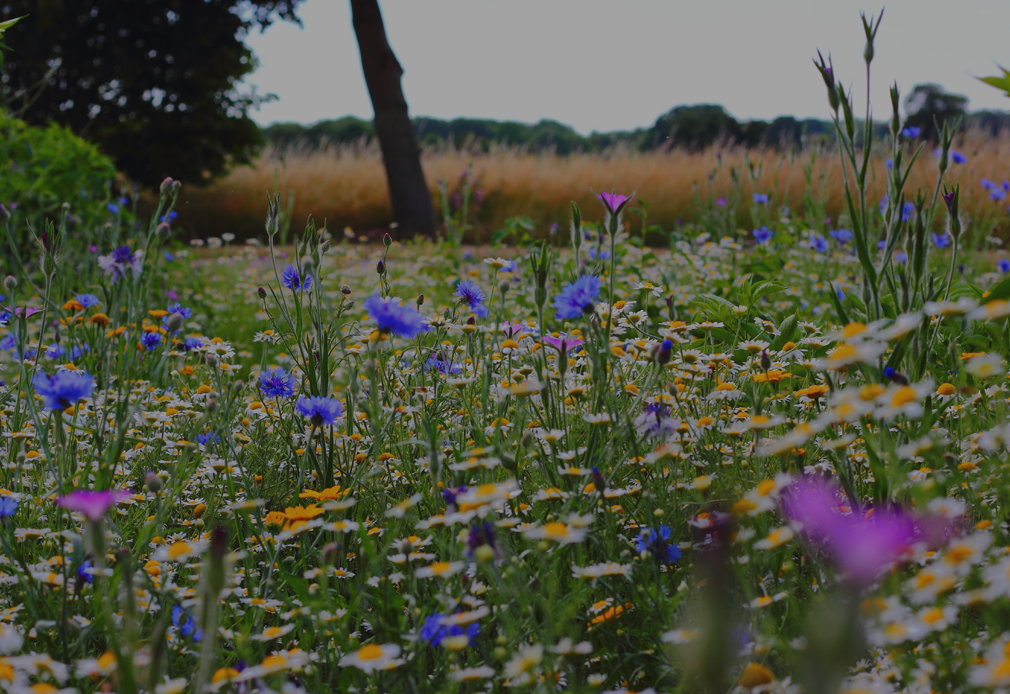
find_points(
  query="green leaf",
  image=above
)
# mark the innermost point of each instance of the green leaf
(4, 26)
(1001, 83)
(1000, 291)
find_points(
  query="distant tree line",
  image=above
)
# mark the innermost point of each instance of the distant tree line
(687, 127)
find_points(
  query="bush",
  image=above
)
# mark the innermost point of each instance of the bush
(48, 167)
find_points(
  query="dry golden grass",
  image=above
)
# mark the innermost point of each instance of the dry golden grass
(346, 185)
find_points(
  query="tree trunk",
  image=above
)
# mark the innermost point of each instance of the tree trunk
(408, 190)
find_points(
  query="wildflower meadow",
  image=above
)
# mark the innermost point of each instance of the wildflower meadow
(736, 460)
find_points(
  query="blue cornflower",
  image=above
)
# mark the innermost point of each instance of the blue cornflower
(394, 317)
(291, 279)
(84, 571)
(449, 494)
(941, 241)
(843, 236)
(319, 409)
(277, 383)
(819, 244)
(1003, 265)
(151, 341)
(169, 257)
(433, 630)
(658, 544)
(889, 164)
(901, 257)
(210, 437)
(577, 296)
(113, 208)
(7, 506)
(55, 351)
(761, 198)
(1005, 185)
(187, 627)
(469, 293)
(63, 389)
(997, 194)
(168, 217)
(911, 132)
(957, 157)
(7, 342)
(987, 184)
(443, 367)
(87, 300)
(604, 254)
(762, 235)
(191, 343)
(184, 311)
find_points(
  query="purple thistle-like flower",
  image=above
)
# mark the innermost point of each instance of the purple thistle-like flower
(93, 504)
(577, 296)
(320, 410)
(120, 261)
(393, 317)
(63, 389)
(470, 294)
(562, 344)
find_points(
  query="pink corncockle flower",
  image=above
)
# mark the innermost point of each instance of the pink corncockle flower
(614, 202)
(861, 544)
(562, 344)
(17, 311)
(93, 504)
(510, 329)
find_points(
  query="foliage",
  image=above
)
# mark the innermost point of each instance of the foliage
(929, 104)
(154, 83)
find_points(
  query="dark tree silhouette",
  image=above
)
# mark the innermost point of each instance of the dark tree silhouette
(927, 103)
(408, 191)
(153, 82)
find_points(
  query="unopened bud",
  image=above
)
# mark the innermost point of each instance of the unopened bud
(163, 230)
(152, 482)
(766, 362)
(503, 287)
(345, 290)
(380, 268)
(387, 240)
(176, 186)
(166, 185)
(420, 300)
(175, 322)
(324, 246)
(10, 282)
(261, 292)
(212, 405)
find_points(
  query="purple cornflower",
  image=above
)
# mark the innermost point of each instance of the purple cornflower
(472, 296)
(577, 297)
(291, 279)
(761, 198)
(911, 132)
(562, 344)
(957, 157)
(762, 235)
(941, 241)
(435, 629)
(819, 244)
(93, 504)
(8, 505)
(1003, 265)
(121, 260)
(393, 317)
(87, 300)
(275, 382)
(63, 389)
(442, 367)
(151, 341)
(320, 410)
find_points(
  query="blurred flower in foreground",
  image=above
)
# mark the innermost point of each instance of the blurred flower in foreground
(91, 503)
(862, 544)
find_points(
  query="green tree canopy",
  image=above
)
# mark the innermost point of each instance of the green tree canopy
(155, 83)
(927, 104)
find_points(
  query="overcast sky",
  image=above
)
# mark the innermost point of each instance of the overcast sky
(618, 64)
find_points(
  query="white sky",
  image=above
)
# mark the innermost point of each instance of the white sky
(618, 64)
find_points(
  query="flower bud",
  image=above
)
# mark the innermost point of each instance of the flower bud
(175, 322)
(420, 300)
(345, 290)
(380, 268)
(261, 292)
(503, 287)
(324, 246)
(163, 230)
(152, 482)
(176, 187)
(166, 186)
(10, 283)
(387, 240)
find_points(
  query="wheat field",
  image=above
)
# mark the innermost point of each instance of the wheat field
(346, 186)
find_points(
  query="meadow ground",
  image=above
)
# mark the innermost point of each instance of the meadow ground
(413, 466)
